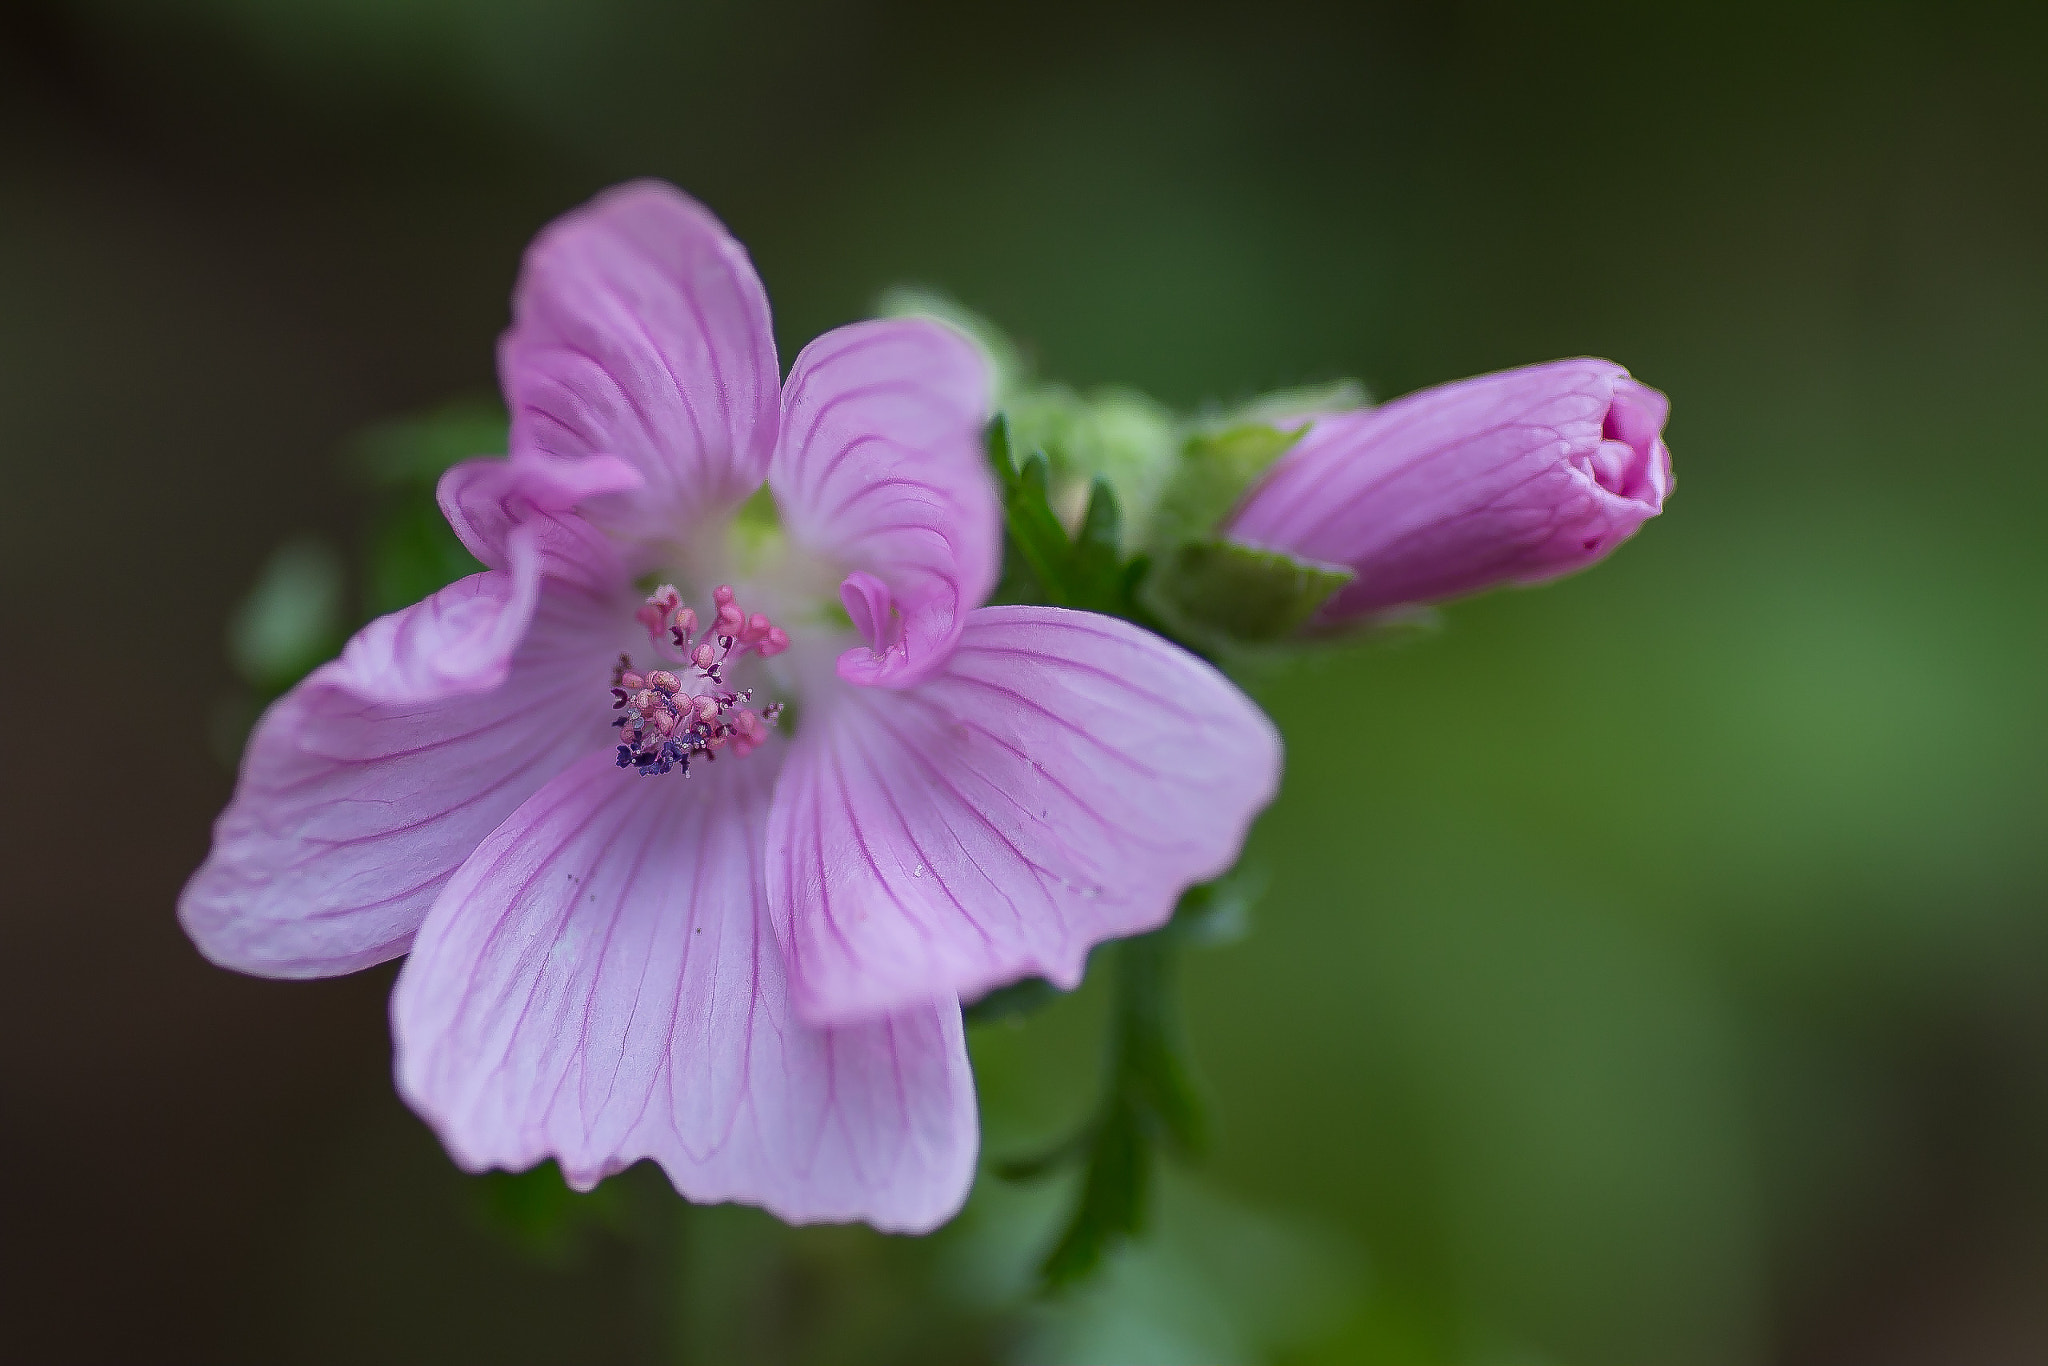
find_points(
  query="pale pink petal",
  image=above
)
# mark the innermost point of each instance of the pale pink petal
(1060, 783)
(600, 984)
(881, 468)
(641, 331)
(486, 499)
(367, 785)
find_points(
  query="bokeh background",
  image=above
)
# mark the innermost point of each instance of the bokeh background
(1655, 966)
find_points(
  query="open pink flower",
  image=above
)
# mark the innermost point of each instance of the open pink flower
(650, 913)
(1514, 477)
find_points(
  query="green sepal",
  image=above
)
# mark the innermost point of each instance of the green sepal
(1214, 471)
(1044, 564)
(1218, 592)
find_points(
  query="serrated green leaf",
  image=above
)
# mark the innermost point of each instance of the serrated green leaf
(1221, 592)
(1214, 471)
(1117, 435)
(1042, 563)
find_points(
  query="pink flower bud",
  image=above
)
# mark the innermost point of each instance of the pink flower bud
(704, 656)
(631, 681)
(1515, 477)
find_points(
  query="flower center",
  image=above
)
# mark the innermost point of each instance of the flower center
(675, 715)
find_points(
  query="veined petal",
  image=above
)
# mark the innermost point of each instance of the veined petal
(641, 331)
(600, 984)
(487, 499)
(365, 787)
(1060, 783)
(880, 465)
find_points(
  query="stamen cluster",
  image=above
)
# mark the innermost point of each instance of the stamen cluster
(674, 715)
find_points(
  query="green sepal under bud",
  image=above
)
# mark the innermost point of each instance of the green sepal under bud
(1219, 593)
(1215, 469)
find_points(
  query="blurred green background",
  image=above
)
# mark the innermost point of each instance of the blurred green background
(1655, 966)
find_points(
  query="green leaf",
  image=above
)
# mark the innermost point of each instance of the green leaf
(1013, 1002)
(1149, 1104)
(1115, 1190)
(1214, 471)
(411, 553)
(415, 450)
(1117, 435)
(292, 619)
(1221, 592)
(1042, 562)
(538, 1213)
(1219, 912)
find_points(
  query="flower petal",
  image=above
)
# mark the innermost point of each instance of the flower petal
(881, 466)
(641, 331)
(365, 787)
(1060, 783)
(600, 984)
(487, 499)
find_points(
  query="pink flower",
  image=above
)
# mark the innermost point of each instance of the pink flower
(1515, 477)
(645, 918)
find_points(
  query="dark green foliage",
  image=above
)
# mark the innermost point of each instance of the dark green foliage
(1012, 1002)
(1149, 1103)
(538, 1213)
(409, 551)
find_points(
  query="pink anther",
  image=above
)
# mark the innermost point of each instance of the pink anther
(704, 656)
